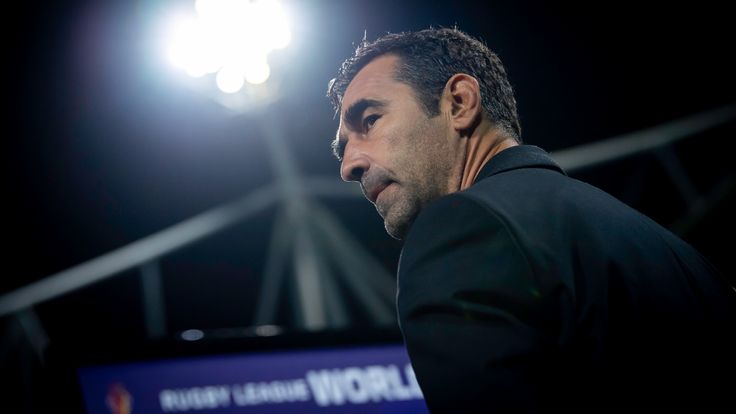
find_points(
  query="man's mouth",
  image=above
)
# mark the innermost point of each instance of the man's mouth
(374, 192)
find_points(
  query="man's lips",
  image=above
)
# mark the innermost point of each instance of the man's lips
(372, 193)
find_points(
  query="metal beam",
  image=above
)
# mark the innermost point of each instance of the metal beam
(137, 253)
(608, 150)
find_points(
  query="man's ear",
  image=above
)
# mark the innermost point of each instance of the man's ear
(462, 97)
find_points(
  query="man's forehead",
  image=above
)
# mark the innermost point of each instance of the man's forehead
(370, 82)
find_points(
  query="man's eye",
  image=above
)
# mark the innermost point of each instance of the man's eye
(369, 121)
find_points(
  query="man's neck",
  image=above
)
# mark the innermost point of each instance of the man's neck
(481, 147)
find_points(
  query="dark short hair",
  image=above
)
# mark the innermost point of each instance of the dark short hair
(428, 58)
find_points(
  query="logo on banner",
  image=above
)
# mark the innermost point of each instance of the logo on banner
(119, 400)
(325, 387)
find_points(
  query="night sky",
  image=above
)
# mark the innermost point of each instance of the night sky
(106, 144)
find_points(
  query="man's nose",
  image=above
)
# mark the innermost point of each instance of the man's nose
(354, 165)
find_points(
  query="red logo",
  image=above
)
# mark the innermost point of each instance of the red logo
(119, 400)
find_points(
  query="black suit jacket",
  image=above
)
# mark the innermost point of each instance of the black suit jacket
(534, 292)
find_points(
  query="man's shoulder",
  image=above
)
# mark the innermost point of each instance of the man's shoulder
(454, 207)
(495, 200)
(454, 217)
(509, 195)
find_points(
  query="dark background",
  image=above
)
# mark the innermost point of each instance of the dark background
(106, 144)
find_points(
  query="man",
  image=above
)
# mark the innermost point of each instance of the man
(520, 289)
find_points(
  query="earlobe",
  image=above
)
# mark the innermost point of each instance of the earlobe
(463, 95)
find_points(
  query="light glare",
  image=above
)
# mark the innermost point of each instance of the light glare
(229, 80)
(257, 73)
(230, 37)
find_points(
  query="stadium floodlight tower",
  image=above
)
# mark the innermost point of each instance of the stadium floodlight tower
(232, 40)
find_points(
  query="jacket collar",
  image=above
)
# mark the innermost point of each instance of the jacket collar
(519, 156)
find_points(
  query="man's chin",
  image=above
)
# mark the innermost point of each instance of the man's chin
(398, 235)
(395, 232)
(397, 219)
(397, 229)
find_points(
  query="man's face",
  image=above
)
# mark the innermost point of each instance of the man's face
(400, 156)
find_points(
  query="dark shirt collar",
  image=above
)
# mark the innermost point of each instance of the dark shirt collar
(520, 156)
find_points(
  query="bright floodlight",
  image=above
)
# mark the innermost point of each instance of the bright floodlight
(257, 72)
(230, 37)
(228, 80)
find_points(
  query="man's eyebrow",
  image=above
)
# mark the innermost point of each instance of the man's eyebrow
(352, 118)
(355, 111)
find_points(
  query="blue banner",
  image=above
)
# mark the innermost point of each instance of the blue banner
(376, 379)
